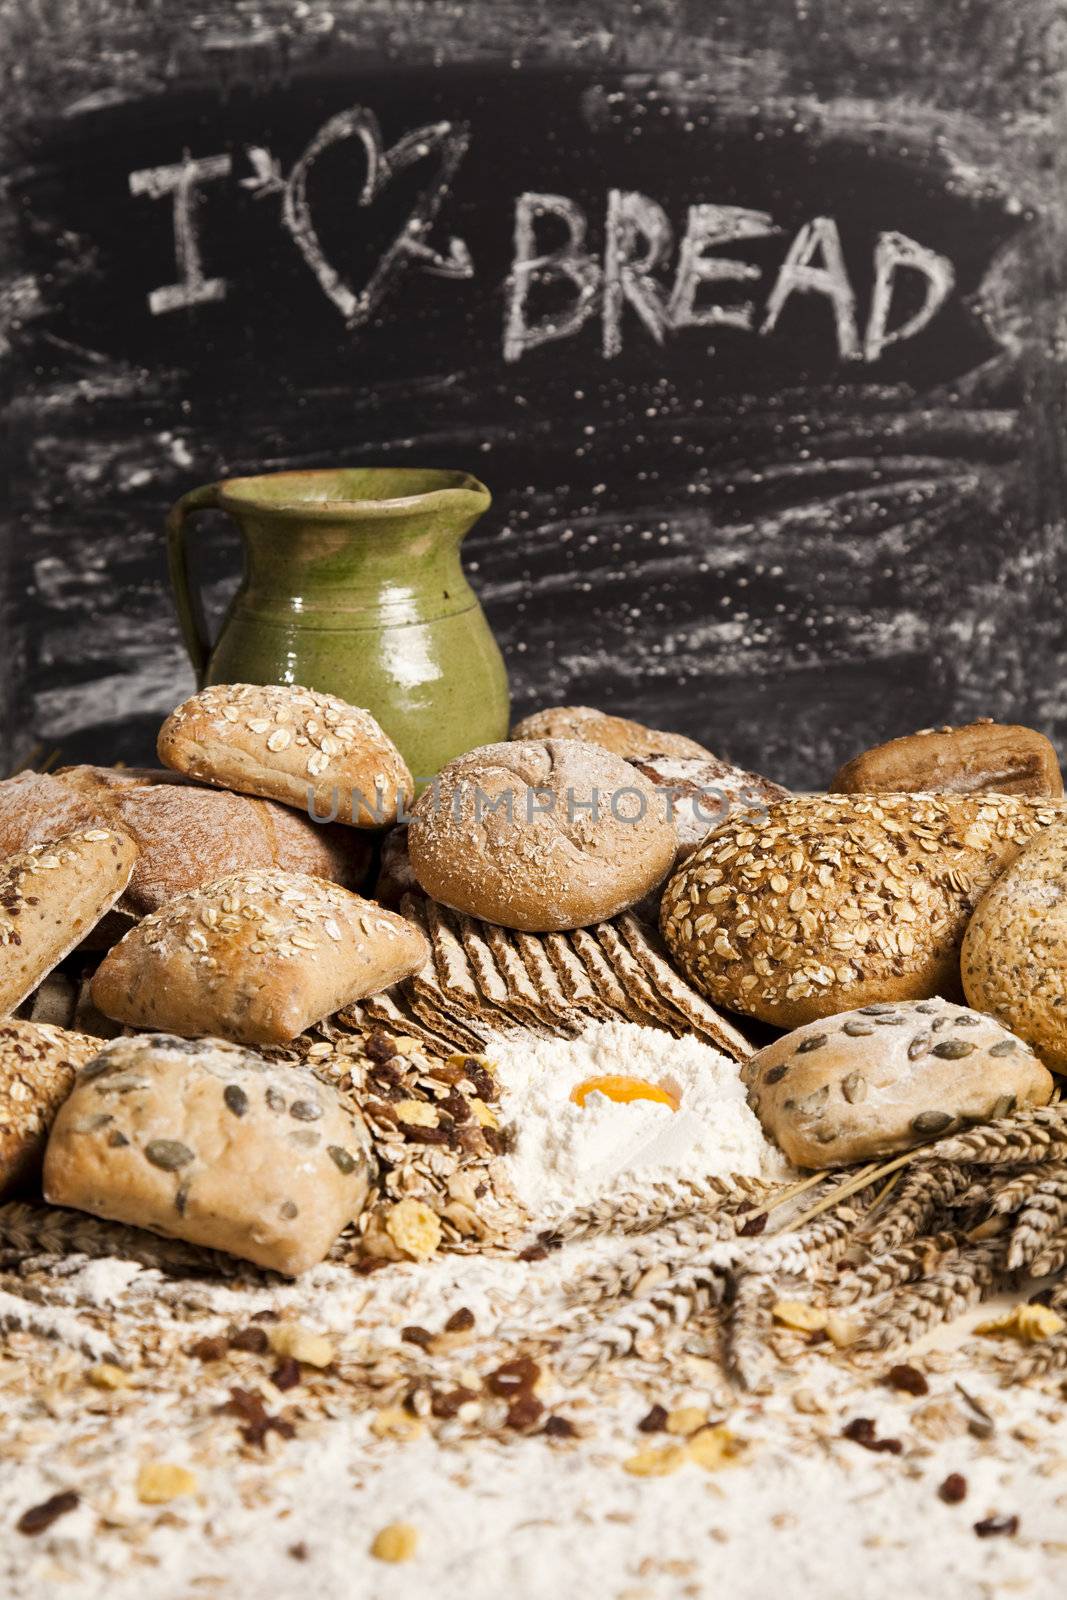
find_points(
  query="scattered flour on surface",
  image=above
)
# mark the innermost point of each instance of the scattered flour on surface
(569, 1155)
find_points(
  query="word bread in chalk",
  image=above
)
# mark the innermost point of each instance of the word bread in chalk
(638, 240)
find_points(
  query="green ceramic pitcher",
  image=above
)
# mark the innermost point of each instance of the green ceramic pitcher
(353, 585)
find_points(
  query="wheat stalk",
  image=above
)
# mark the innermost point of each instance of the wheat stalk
(646, 1206)
(749, 1325)
(28, 1231)
(1036, 1135)
(923, 1192)
(905, 1263)
(1012, 1193)
(961, 1281)
(1037, 1224)
(1048, 1356)
(685, 1295)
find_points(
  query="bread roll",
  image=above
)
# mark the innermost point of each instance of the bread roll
(985, 757)
(540, 836)
(617, 734)
(835, 901)
(51, 895)
(1014, 959)
(704, 793)
(38, 1064)
(287, 743)
(256, 957)
(185, 835)
(867, 1083)
(205, 1142)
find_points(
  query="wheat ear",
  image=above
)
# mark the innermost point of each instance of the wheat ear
(961, 1281)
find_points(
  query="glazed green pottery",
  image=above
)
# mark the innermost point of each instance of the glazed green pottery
(353, 585)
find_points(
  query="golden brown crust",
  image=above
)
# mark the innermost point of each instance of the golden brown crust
(983, 757)
(186, 835)
(837, 901)
(255, 957)
(1014, 958)
(622, 737)
(51, 896)
(508, 833)
(291, 744)
(38, 1064)
(870, 1082)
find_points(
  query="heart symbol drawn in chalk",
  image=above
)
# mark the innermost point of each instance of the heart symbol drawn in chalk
(409, 244)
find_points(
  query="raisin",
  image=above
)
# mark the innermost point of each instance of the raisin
(40, 1517)
(991, 1527)
(654, 1421)
(954, 1489)
(560, 1428)
(413, 1334)
(910, 1379)
(380, 1046)
(210, 1349)
(534, 1252)
(449, 1403)
(861, 1430)
(514, 1377)
(286, 1374)
(254, 1340)
(753, 1224)
(460, 1321)
(524, 1412)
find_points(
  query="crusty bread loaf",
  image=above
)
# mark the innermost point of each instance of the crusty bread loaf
(287, 743)
(541, 836)
(209, 1143)
(256, 957)
(37, 1068)
(186, 835)
(869, 1082)
(51, 895)
(984, 757)
(704, 793)
(617, 734)
(836, 901)
(1014, 958)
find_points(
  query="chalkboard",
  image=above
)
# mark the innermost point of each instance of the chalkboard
(749, 321)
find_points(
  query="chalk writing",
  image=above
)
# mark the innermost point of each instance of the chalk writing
(638, 245)
(182, 180)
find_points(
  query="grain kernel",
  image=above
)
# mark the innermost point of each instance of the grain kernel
(291, 1339)
(796, 1314)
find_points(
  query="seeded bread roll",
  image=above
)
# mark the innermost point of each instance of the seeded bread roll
(984, 757)
(209, 1143)
(38, 1064)
(284, 742)
(618, 734)
(185, 835)
(256, 957)
(834, 901)
(540, 836)
(50, 897)
(1014, 959)
(869, 1082)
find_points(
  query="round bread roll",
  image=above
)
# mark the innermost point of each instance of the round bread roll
(541, 836)
(617, 734)
(832, 901)
(1014, 958)
(704, 793)
(866, 1083)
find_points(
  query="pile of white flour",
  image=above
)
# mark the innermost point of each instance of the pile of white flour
(568, 1155)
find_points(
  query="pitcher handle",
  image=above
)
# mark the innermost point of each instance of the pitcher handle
(188, 601)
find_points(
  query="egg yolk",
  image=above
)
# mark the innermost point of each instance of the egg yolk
(623, 1090)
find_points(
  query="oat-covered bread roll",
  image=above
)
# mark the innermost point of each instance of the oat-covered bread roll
(51, 895)
(256, 957)
(704, 793)
(984, 757)
(1014, 958)
(834, 901)
(617, 734)
(38, 1064)
(866, 1083)
(185, 835)
(541, 836)
(288, 743)
(202, 1141)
